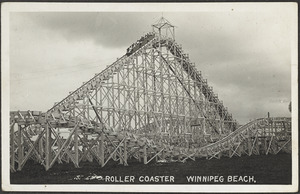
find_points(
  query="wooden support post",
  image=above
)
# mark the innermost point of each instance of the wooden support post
(48, 146)
(270, 144)
(257, 145)
(102, 149)
(41, 147)
(145, 154)
(114, 151)
(59, 146)
(125, 153)
(240, 149)
(98, 146)
(114, 156)
(140, 157)
(90, 158)
(230, 151)
(163, 155)
(67, 159)
(20, 147)
(86, 156)
(249, 144)
(64, 147)
(12, 147)
(120, 153)
(265, 144)
(85, 150)
(155, 156)
(204, 130)
(76, 147)
(220, 154)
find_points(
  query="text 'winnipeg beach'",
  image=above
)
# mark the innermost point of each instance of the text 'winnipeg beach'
(221, 179)
(172, 179)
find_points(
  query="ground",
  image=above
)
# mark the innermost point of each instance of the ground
(266, 169)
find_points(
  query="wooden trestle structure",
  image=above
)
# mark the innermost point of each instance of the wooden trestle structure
(151, 104)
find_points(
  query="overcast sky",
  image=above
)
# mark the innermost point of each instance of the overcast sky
(245, 56)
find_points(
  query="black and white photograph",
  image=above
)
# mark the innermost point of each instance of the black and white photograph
(149, 97)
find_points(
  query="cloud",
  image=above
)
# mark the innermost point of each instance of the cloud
(108, 29)
(244, 55)
(45, 67)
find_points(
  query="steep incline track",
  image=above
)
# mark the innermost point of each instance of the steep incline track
(177, 51)
(98, 78)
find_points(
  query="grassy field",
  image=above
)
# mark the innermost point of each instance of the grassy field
(264, 169)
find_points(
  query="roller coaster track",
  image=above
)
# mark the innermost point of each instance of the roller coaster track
(91, 84)
(260, 136)
(152, 104)
(257, 136)
(177, 51)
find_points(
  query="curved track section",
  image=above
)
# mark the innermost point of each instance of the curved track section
(260, 136)
(35, 137)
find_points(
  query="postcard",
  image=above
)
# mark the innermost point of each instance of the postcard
(149, 97)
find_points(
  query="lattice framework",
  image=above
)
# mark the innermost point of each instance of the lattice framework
(151, 104)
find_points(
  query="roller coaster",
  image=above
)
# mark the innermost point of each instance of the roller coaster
(152, 104)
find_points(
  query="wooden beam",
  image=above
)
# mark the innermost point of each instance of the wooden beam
(102, 150)
(48, 147)
(20, 148)
(63, 147)
(76, 147)
(115, 150)
(155, 156)
(12, 147)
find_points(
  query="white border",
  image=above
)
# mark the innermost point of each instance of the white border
(6, 8)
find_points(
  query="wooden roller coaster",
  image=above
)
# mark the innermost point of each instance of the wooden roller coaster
(151, 104)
